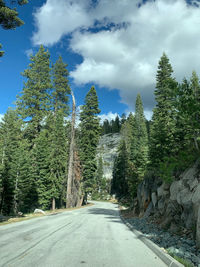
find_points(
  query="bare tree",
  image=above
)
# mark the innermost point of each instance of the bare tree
(69, 198)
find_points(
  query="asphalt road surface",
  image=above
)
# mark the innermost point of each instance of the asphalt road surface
(93, 236)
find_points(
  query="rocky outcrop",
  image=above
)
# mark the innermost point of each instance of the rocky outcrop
(108, 149)
(176, 206)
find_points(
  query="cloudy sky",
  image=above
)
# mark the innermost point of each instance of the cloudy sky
(115, 45)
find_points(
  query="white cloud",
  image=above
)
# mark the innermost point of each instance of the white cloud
(124, 58)
(109, 116)
(57, 18)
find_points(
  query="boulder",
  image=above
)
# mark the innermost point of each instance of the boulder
(187, 216)
(173, 209)
(39, 211)
(196, 196)
(190, 173)
(163, 190)
(193, 184)
(196, 201)
(175, 188)
(154, 199)
(148, 210)
(198, 230)
(184, 197)
(161, 206)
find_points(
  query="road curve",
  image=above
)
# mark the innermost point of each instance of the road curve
(93, 236)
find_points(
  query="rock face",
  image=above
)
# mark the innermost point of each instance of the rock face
(176, 205)
(108, 149)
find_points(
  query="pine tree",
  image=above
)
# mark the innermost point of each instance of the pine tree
(119, 184)
(139, 143)
(89, 137)
(61, 89)
(163, 122)
(9, 17)
(127, 131)
(10, 131)
(58, 156)
(188, 117)
(35, 100)
(99, 173)
(58, 138)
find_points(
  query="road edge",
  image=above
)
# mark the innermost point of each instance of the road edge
(166, 258)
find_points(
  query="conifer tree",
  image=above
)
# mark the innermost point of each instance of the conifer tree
(163, 122)
(188, 118)
(57, 130)
(119, 184)
(10, 131)
(89, 137)
(99, 173)
(61, 89)
(9, 17)
(139, 144)
(35, 99)
(58, 156)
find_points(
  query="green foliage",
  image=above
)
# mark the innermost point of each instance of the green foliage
(34, 103)
(9, 17)
(163, 128)
(113, 126)
(89, 138)
(139, 143)
(58, 155)
(188, 106)
(173, 166)
(10, 131)
(61, 89)
(183, 261)
(101, 187)
(119, 184)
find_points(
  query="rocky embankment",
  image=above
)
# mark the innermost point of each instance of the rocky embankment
(108, 150)
(175, 212)
(181, 246)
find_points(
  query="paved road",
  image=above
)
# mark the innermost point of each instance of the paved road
(90, 237)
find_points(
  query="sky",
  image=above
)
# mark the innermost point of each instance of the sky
(114, 45)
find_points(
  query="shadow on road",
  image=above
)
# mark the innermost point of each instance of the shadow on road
(99, 211)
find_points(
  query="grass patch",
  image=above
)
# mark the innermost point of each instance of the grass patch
(185, 262)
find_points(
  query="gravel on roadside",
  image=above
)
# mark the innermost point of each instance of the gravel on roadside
(180, 246)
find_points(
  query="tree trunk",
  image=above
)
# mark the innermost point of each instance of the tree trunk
(196, 144)
(53, 203)
(16, 195)
(69, 198)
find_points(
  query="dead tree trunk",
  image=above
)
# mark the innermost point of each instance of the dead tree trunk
(69, 198)
(53, 203)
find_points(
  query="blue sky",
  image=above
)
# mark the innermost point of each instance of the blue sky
(112, 44)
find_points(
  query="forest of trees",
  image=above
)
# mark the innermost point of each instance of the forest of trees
(35, 139)
(166, 145)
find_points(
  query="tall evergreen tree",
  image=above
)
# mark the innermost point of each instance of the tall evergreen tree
(61, 89)
(10, 131)
(89, 138)
(139, 143)
(163, 122)
(57, 130)
(35, 99)
(119, 184)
